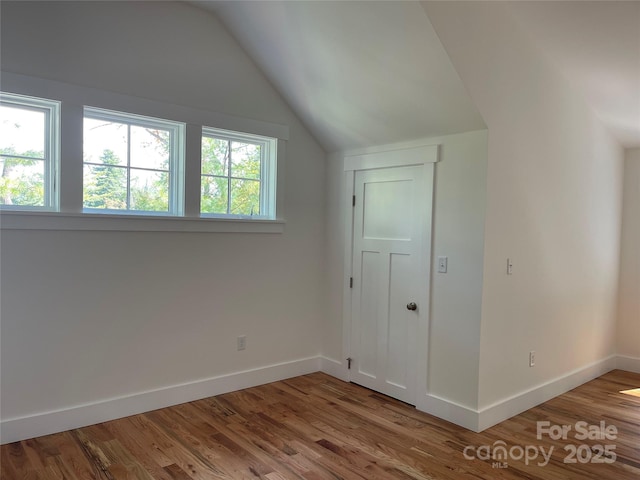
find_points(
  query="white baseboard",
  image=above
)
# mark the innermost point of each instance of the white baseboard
(334, 368)
(507, 408)
(450, 411)
(479, 420)
(630, 364)
(45, 423)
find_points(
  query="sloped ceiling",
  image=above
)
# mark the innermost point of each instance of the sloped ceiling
(356, 73)
(362, 73)
(596, 46)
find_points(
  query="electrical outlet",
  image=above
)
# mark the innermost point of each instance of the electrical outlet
(242, 342)
(532, 358)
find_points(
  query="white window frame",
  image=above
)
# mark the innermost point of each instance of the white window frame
(51, 109)
(70, 214)
(176, 159)
(268, 172)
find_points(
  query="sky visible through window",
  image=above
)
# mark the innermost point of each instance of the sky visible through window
(22, 129)
(149, 147)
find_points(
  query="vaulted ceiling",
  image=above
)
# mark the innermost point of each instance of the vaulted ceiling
(356, 73)
(362, 73)
(596, 46)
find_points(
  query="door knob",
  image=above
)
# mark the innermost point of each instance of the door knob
(412, 306)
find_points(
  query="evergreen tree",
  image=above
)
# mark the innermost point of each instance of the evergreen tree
(106, 186)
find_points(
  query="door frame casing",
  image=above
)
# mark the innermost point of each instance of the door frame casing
(422, 155)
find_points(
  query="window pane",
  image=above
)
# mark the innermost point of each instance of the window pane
(143, 150)
(105, 186)
(149, 191)
(245, 164)
(215, 156)
(22, 132)
(101, 136)
(22, 182)
(245, 197)
(245, 160)
(150, 148)
(213, 198)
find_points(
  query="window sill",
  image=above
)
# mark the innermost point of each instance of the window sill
(11, 220)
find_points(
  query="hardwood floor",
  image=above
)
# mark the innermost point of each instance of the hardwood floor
(316, 427)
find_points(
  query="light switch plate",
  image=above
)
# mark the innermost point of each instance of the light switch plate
(442, 264)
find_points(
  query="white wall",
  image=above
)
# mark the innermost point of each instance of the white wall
(89, 316)
(629, 306)
(458, 232)
(332, 338)
(553, 207)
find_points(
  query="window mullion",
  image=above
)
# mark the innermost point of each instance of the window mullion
(171, 168)
(22, 157)
(49, 185)
(128, 166)
(229, 177)
(263, 149)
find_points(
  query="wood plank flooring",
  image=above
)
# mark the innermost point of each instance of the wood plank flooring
(318, 428)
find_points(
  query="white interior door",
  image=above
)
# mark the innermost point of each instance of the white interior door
(389, 293)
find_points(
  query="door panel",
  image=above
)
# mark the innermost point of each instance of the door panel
(389, 235)
(382, 201)
(400, 319)
(368, 338)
